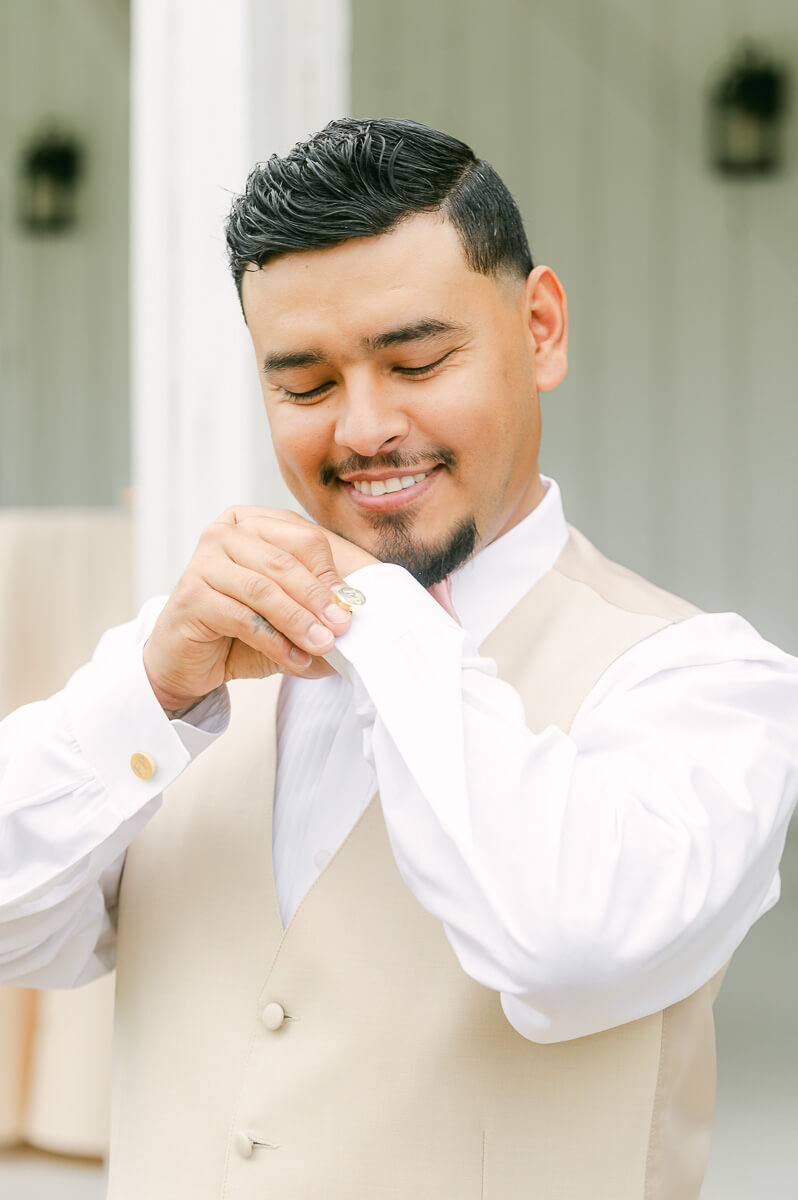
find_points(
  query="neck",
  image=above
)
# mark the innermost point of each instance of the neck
(529, 499)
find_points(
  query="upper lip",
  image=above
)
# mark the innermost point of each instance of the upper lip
(361, 477)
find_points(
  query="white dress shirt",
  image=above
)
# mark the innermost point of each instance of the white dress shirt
(590, 878)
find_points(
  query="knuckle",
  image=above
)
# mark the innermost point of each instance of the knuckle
(317, 550)
(203, 561)
(258, 589)
(319, 596)
(211, 535)
(315, 539)
(189, 590)
(279, 559)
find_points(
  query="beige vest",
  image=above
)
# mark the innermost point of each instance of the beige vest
(394, 1075)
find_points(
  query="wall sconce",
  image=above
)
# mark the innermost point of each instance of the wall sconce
(747, 107)
(51, 168)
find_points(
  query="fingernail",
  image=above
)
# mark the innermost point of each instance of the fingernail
(300, 657)
(319, 636)
(336, 615)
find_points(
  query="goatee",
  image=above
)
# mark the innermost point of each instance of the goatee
(427, 564)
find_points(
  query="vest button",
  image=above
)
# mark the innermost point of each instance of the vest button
(273, 1015)
(322, 859)
(243, 1144)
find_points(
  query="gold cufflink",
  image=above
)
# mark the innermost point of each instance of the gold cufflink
(347, 596)
(142, 765)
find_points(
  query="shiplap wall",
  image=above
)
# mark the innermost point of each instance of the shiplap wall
(64, 437)
(674, 435)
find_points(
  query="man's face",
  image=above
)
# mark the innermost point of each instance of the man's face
(386, 358)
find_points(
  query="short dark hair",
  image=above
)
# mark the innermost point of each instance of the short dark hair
(359, 178)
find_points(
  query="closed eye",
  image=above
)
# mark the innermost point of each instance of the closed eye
(418, 372)
(317, 392)
(314, 394)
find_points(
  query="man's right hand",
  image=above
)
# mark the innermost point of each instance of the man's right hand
(255, 599)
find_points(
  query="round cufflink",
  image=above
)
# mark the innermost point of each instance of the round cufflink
(348, 596)
(142, 765)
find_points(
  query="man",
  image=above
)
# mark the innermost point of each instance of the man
(525, 804)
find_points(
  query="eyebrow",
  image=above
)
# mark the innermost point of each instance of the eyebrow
(287, 361)
(428, 327)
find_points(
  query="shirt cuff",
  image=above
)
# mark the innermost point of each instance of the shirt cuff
(396, 603)
(203, 723)
(113, 715)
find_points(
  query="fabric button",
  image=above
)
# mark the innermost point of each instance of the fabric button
(243, 1144)
(321, 859)
(142, 765)
(273, 1015)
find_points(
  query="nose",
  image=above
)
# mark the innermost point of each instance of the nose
(370, 422)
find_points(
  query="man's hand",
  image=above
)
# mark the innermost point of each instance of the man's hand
(255, 599)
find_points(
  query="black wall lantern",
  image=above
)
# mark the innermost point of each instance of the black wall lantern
(51, 168)
(747, 107)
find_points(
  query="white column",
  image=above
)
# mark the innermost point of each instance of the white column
(215, 87)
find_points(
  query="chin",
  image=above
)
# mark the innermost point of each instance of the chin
(428, 560)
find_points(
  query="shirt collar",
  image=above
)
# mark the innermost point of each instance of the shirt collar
(489, 585)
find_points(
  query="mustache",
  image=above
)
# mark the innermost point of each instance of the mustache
(392, 461)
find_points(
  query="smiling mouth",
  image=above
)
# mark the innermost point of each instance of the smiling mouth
(396, 483)
(391, 492)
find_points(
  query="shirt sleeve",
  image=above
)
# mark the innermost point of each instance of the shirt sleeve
(70, 805)
(593, 877)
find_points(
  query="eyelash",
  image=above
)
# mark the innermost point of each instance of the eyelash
(410, 372)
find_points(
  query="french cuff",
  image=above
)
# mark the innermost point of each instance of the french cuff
(125, 736)
(395, 604)
(203, 723)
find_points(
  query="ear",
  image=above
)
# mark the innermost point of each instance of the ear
(546, 309)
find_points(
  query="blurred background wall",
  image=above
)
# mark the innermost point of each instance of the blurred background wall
(672, 436)
(64, 416)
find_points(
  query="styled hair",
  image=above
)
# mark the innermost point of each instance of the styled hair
(359, 178)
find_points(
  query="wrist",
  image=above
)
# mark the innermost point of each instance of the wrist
(175, 707)
(176, 710)
(174, 704)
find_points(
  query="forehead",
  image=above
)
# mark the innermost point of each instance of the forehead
(348, 291)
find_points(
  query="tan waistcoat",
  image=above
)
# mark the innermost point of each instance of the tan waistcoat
(394, 1075)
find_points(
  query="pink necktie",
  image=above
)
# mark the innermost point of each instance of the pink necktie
(442, 592)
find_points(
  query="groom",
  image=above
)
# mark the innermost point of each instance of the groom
(474, 818)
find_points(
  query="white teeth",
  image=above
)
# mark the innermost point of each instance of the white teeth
(378, 487)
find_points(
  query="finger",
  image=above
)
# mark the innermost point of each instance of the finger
(237, 513)
(245, 663)
(297, 581)
(228, 616)
(306, 542)
(273, 613)
(319, 668)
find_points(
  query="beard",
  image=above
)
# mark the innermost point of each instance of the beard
(428, 564)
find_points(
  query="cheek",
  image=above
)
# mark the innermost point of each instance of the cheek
(300, 442)
(476, 420)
